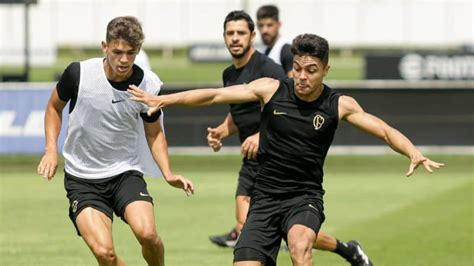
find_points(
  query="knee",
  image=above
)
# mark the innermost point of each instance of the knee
(105, 255)
(149, 237)
(300, 251)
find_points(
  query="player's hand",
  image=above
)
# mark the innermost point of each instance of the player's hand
(179, 181)
(142, 96)
(427, 164)
(214, 139)
(48, 165)
(250, 145)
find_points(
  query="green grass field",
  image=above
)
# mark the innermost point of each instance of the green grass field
(423, 220)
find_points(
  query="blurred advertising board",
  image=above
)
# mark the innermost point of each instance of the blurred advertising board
(420, 66)
(22, 120)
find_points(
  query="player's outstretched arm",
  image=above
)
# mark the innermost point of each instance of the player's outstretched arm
(159, 149)
(52, 125)
(258, 90)
(351, 111)
(225, 129)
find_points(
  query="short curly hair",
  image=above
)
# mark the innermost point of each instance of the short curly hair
(127, 28)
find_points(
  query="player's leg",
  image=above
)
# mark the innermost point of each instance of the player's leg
(244, 189)
(325, 242)
(301, 226)
(351, 251)
(241, 209)
(92, 215)
(259, 241)
(229, 239)
(300, 244)
(134, 205)
(96, 229)
(140, 217)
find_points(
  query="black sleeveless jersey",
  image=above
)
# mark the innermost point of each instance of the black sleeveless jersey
(246, 116)
(294, 139)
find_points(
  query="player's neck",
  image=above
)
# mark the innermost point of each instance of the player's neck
(242, 61)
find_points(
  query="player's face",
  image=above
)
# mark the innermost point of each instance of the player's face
(120, 57)
(238, 38)
(308, 75)
(268, 29)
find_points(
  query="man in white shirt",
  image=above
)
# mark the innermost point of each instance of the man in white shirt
(276, 47)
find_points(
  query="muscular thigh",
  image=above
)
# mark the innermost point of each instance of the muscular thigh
(261, 235)
(306, 211)
(84, 194)
(132, 188)
(95, 228)
(140, 216)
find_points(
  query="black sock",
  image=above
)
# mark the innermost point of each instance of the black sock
(343, 250)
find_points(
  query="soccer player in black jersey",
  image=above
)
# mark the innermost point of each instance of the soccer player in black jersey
(298, 122)
(244, 119)
(103, 171)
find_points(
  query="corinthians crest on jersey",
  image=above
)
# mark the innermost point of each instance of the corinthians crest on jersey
(318, 121)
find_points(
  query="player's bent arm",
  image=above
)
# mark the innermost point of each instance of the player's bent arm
(352, 112)
(216, 134)
(52, 125)
(227, 127)
(258, 90)
(159, 149)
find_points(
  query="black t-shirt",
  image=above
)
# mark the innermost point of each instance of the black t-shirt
(286, 57)
(294, 140)
(246, 116)
(68, 86)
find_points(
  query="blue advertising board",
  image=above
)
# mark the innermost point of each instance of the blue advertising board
(22, 120)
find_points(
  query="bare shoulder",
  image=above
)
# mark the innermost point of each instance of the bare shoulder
(264, 88)
(347, 101)
(347, 106)
(265, 82)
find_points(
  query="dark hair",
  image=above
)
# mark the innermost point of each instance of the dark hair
(268, 11)
(312, 45)
(127, 28)
(239, 15)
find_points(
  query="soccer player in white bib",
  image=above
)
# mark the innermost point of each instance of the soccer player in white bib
(276, 47)
(103, 169)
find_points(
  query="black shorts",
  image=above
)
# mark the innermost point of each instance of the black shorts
(247, 175)
(107, 195)
(269, 220)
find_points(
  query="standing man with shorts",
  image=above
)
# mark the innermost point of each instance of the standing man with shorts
(278, 49)
(298, 121)
(103, 173)
(244, 119)
(249, 65)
